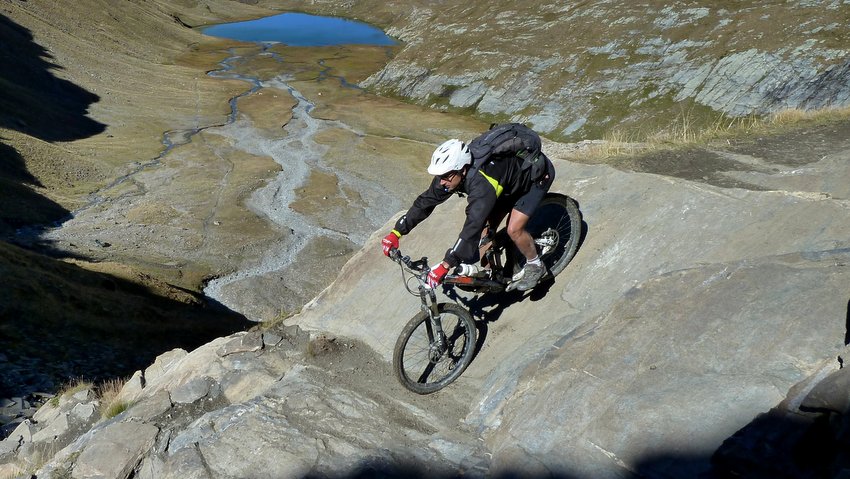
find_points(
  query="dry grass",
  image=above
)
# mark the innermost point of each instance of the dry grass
(686, 132)
(73, 387)
(794, 117)
(619, 142)
(277, 321)
(110, 406)
(11, 471)
(107, 394)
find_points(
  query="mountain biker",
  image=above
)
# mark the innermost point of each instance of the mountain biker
(498, 187)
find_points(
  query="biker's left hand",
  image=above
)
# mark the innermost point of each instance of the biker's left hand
(389, 243)
(436, 275)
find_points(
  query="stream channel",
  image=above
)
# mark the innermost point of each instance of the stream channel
(298, 154)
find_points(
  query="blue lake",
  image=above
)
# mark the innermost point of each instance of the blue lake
(302, 30)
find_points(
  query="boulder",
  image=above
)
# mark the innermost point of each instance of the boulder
(115, 451)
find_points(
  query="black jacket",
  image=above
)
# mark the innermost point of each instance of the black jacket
(498, 179)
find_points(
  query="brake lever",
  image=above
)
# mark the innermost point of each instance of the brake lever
(420, 265)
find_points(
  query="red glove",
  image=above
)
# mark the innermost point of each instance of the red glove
(436, 275)
(390, 242)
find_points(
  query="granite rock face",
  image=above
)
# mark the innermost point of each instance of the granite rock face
(690, 311)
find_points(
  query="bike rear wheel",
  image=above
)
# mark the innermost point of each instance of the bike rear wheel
(423, 361)
(556, 224)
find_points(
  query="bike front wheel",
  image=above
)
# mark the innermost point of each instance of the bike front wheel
(428, 358)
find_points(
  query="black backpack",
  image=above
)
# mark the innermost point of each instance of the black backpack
(508, 140)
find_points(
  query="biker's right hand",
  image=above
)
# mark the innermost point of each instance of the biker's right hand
(390, 242)
(436, 275)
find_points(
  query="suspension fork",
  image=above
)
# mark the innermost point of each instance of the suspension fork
(429, 304)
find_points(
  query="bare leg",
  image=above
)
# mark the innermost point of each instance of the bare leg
(523, 240)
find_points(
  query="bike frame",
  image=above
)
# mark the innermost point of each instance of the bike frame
(493, 281)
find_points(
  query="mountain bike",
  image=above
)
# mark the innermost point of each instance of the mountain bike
(438, 343)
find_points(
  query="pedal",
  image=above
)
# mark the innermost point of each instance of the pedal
(547, 241)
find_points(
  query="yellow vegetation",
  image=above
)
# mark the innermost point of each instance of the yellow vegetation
(684, 132)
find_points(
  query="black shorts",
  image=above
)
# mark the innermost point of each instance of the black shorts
(528, 202)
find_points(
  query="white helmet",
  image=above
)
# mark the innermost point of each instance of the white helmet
(450, 156)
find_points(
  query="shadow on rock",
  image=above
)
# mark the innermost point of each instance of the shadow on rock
(381, 469)
(806, 436)
(774, 445)
(676, 465)
(847, 326)
(778, 445)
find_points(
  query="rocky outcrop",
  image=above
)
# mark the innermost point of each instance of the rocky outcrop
(688, 310)
(55, 425)
(253, 404)
(805, 436)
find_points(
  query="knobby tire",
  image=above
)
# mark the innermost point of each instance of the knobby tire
(411, 357)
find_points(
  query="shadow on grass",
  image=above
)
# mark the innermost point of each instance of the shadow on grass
(32, 99)
(59, 322)
(20, 204)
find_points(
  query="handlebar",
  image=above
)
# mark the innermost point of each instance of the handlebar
(418, 267)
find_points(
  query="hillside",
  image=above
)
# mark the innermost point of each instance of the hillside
(73, 119)
(90, 93)
(579, 70)
(700, 330)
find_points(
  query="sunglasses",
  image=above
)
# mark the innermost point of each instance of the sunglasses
(448, 176)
